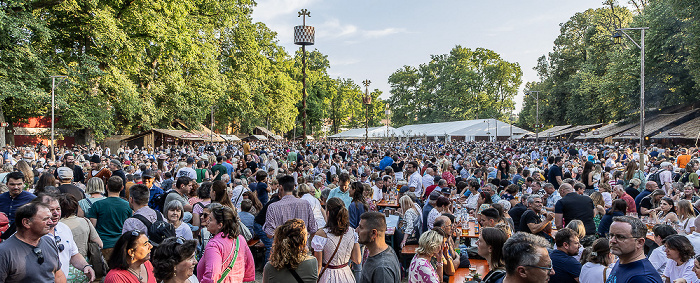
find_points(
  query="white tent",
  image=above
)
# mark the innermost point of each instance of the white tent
(359, 133)
(468, 130)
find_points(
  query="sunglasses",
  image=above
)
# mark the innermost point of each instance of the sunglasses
(61, 247)
(136, 233)
(39, 255)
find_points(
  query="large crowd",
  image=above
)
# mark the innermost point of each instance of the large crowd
(325, 211)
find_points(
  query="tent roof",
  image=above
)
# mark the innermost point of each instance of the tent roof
(605, 131)
(359, 133)
(479, 127)
(231, 137)
(655, 124)
(687, 130)
(575, 129)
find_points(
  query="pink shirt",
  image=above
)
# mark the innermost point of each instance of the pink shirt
(218, 255)
(124, 276)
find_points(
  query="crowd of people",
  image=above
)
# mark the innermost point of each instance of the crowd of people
(558, 211)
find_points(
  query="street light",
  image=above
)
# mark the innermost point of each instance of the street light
(386, 114)
(53, 106)
(488, 129)
(537, 129)
(303, 35)
(367, 101)
(617, 37)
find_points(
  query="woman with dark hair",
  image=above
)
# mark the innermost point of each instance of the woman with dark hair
(129, 261)
(666, 212)
(46, 179)
(220, 195)
(503, 170)
(289, 257)
(490, 247)
(442, 205)
(680, 262)
(227, 254)
(587, 177)
(596, 261)
(204, 193)
(337, 235)
(484, 201)
(257, 205)
(174, 261)
(632, 171)
(358, 206)
(202, 173)
(619, 207)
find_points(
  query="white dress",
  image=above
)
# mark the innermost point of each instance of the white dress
(327, 246)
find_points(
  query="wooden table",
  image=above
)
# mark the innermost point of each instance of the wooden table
(384, 203)
(482, 267)
(409, 249)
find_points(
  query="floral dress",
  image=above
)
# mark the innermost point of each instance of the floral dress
(421, 271)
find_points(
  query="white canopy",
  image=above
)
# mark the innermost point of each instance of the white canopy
(359, 133)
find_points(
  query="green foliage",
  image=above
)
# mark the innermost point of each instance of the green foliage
(464, 84)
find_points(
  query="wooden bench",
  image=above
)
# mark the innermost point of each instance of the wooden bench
(409, 249)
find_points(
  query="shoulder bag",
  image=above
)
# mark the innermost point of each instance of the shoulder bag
(331, 258)
(95, 258)
(230, 266)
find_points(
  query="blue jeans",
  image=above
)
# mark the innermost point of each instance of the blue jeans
(263, 237)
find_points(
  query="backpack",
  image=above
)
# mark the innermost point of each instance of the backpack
(685, 178)
(159, 230)
(655, 177)
(158, 202)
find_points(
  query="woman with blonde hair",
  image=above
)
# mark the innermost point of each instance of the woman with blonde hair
(412, 221)
(605, 189)
(599, 210)
(429, 246)
(95, 189)
(24, 167)
(289, 258)
(686, 216)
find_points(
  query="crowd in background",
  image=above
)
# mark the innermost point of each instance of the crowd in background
(575, 212)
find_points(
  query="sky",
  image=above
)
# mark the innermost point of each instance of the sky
(372, 39)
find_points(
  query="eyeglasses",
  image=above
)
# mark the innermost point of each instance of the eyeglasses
(39, 255)
(548, 268)
(60, 246)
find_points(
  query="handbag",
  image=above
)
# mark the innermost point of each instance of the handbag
(95, 258)
(331, 258)
(230, 266)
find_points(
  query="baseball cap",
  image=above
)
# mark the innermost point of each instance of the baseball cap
(147, 174)
(64, 173)
(435, 195)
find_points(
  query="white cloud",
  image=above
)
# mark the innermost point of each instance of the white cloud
(383, 32)
(272, 9)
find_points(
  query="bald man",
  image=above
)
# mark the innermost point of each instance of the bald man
(574, 206)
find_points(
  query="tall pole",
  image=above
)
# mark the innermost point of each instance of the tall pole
(53, 106)
(641, 77)
(537, 113)
(303, 35)
(211, 130)
(367, 101)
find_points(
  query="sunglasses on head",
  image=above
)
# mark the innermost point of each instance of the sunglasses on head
(136, 233)
(60, 246)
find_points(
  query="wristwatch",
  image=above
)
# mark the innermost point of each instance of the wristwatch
(90, 265)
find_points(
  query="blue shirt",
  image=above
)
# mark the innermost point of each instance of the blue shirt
(566, 267)
(426, 210)
(344, 196)
(386, 161)
(638, 200)
(638, 271)
(247, 219)
(154, 191)
(229, 170)
(8, 205)
(356, 209)
(606, 221)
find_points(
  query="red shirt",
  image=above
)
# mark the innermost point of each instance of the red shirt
(125, 276)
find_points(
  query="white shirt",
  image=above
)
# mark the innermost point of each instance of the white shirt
(316, 208)
(188, 172)
(658, 259)
(434, 214)
(235, 193)
(416, 181)
(674, 271)
(593, 273)
(428, 180)
(377, 193)
(695, 241)
(472, 200)
(69, 247)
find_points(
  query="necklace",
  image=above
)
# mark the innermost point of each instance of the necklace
(137, 274)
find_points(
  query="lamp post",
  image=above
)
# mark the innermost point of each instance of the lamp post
(367, 101)
(617, 37)
(488, 129)
(53, 106)
(303, 35)
(386, 114)
(537, 111)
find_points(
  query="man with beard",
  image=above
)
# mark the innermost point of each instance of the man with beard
(16, 196)
(28, 256)
(627, 236)
(69, 161)
(115, 166)
(67, 249)
(566, 268)
(382, 265)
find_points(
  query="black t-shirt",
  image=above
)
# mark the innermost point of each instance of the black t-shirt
(515, 213)
(646, 203)
(397, 166)
(252, 165)
(574, 206)
(632, 192)
(73, 190)
(529, 216)
(554, 171)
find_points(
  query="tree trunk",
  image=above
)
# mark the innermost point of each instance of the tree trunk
(3, 129)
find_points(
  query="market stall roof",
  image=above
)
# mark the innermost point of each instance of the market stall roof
(255, 137)
(233, 138)
(605, 131)
(654, 125)
(547, 132)
(575, 129)
(687, 130)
